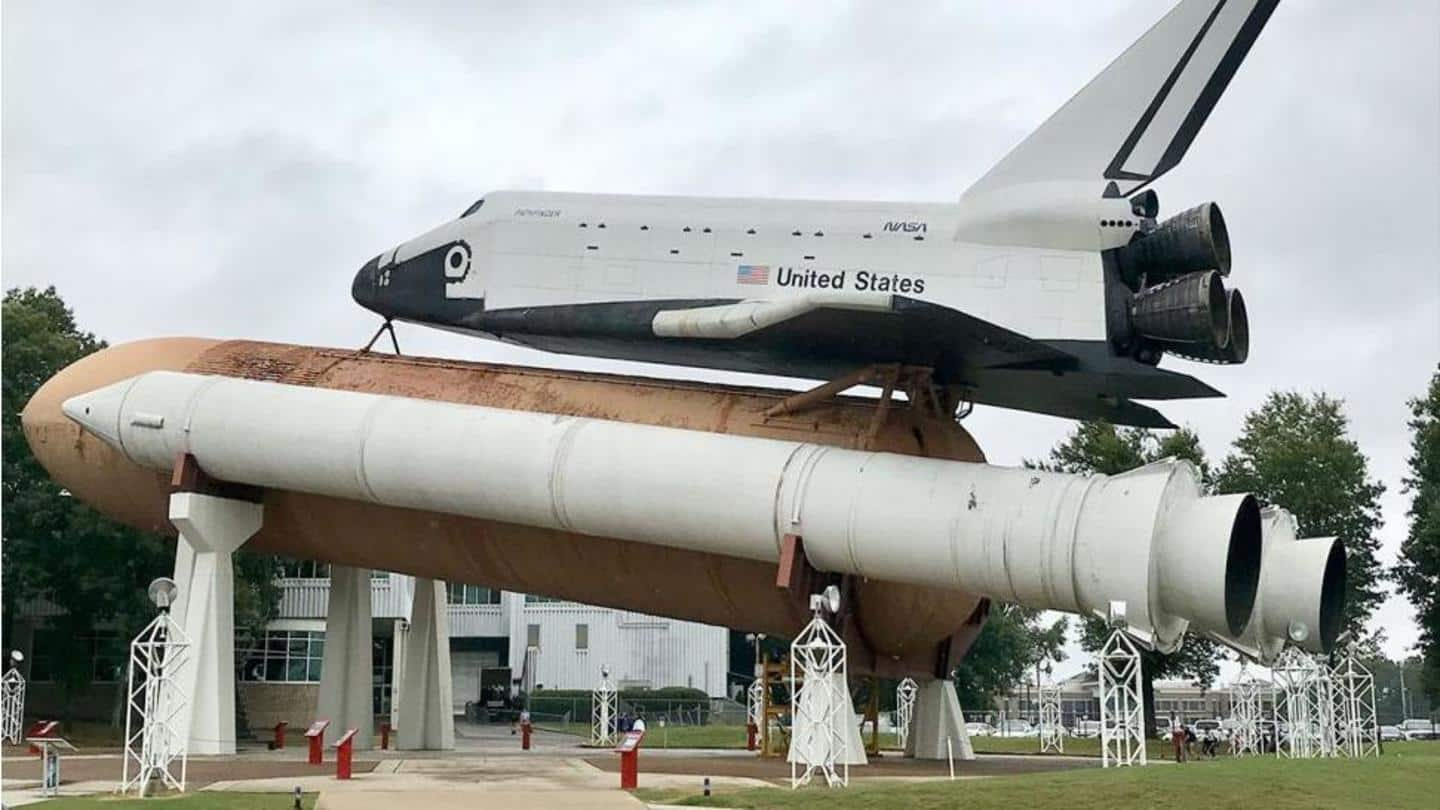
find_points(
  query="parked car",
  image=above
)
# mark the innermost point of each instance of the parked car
(1418, 728)
(1203, 726)
(1162, 728)
(1392, 734)
(1086, 728)
(979, 729)
(1016, 728)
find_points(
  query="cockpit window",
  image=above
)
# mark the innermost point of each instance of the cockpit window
(472, 209)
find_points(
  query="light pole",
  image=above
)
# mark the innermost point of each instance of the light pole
(1404, 695)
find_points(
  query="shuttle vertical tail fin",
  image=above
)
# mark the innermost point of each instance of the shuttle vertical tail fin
(1134, 121)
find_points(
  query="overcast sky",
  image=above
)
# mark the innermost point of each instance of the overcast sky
(177, 169)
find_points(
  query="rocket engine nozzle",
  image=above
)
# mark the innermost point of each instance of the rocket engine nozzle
(1192, 240)
(1301, 595)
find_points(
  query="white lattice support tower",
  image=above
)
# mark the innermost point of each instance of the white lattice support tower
(604, 706)
(1358, 732)
(12, 706)
(1299, 697)
(1122, 710)
(755, 703)
(1326, 725)
(1246, 702)
(820, 706)
(1052, 730)
(905, 710)
(157, 711)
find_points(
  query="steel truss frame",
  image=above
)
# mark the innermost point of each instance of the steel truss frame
(905, 710)
(818, 685)
(1052, 730)
(1122, 709)
(604, 709)
(1357, 733)
(157, 708)
(12, 706)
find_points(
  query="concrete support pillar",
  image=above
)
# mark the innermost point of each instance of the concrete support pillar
(211, 529)
(512, 617)
(346, 698)
(847, 728)
(425, 715)
(938, 718)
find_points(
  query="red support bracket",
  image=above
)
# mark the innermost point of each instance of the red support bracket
(186, 476)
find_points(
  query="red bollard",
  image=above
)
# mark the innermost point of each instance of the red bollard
(344, 748)
(280, 734)
(385, 736)
(316, 735)
(629, 751)
(42, 728)
(750, 730)
(524, 736)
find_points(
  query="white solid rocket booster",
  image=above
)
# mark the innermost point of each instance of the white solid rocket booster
(1046, 540)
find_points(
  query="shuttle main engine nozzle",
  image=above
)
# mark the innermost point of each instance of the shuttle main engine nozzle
(1192, 240)
(1149, 538)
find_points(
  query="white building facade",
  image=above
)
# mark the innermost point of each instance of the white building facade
(490, 634)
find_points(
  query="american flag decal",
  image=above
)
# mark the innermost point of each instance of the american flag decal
(752, 274)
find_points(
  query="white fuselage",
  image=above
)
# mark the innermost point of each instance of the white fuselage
(532, 249)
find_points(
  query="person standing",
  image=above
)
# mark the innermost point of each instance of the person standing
(1177, 738)
(639, 724)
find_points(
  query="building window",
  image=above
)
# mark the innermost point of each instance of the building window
(532, 635)
(304, 569)
(582, 636)
(311, 569)
(283, 656)
(461, 594)
(106, 653)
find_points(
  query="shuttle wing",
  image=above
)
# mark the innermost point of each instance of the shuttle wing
(1135, 121)
(826, 336)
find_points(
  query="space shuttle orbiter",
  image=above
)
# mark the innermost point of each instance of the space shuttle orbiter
(1050, 286)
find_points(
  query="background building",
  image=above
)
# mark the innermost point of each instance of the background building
(490, 631)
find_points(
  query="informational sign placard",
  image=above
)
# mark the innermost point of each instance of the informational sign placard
(317, 728)
(629, 742)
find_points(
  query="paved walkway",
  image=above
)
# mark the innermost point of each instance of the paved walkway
(486, 769)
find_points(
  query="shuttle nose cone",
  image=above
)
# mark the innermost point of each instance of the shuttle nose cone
(362, 289)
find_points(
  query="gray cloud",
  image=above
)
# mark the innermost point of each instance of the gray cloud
(184, 168)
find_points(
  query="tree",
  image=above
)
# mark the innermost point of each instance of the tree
(1014, 640)
(1100, 447)
(1294, 452)
(95, 571)
(1418, 568)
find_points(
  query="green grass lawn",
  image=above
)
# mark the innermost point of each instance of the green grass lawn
(204, 800)
(1074, 746)
(1407, 776)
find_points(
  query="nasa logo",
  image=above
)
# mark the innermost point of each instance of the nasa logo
(457, 262)
(908, 226)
